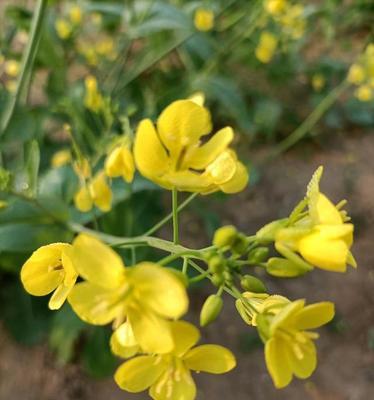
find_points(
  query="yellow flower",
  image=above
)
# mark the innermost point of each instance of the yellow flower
(275, 7)
(63, 28)
(289, 346)
(120, 162)
(293, 21)
(204, 19)
(75, 15)
(173, 157)
(97, 192)
(50, 269)
(82, 168)
(318, 82)
(364, 93)
(105, 47)
(144, 296)
(168, 376)
(61, 158)
(93, 99)
(12, 68)
(266, 47)
(356, 74)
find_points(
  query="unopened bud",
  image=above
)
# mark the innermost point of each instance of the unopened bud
(225, 236)
(283, 268)
(252, 284)
(218, 279)
(211, 309)
(268, 232)
(258, 255)
(240, 244)
(216, 264)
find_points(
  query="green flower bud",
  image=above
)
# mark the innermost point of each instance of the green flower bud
(218, 279)
(268, 232)
(258, 255)
(283, 268)
(240, 244)
(211, 309)
(225, 236)
(252, 284)
(216, 264)
(227, 276)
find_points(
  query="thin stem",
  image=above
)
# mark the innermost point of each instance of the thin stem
(174, 195)
(133, 255)
(309, 122)
(185, 265)
(26, 65)
(170, 216)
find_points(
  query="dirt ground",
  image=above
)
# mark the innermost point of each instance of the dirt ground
(346, 355)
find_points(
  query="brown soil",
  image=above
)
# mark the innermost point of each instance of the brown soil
(346, 360)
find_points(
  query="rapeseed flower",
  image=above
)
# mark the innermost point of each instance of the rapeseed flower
(63, 28)
(120, 162)
(204, 19)
(50, 269)
(144, 296)
(12, 68)
(75, 15)
(168, 376)
(174, 157)
(266, 47)
(60, 158)
(93, 99)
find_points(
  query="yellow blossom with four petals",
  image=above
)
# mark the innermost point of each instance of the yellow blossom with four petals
(120, 162)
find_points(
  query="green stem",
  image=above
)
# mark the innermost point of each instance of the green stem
(26, 65)
(309, 122)
(170, 216)
(185, 265)
(175, 216)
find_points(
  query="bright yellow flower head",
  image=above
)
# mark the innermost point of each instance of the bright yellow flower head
(173, 157)
(266, 47)
(120, 162)
(12, 68)
(289, 347)
(275, 7)
(93, 99)
(364, 93)
(50, 269)
(144, 296)
(168, 376)
(61, 158)
(75, 15)
(318, 82)
(105, 47)
(63, 28)
(204, 19)
(97, 192)
(356, 74)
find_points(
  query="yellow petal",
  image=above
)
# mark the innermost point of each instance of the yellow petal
(113, 163)
(223, 168)
(182, 124)
(285, 317)
(59, 296)
(123, 342)
(139, 373)
(303, 361)
(159, 290)
(101, 192)
(83, 200)
(201, 157)
(189, 181)
(198, 98)
(43, 271)
(97, 262)
(238, 182)
(277, 362)
(71, 273)
(314, 315)
(128, 165)
(94, 304)
(326, 212)
(185, 336)
(210, 358)
(175, 384)
(150, 156)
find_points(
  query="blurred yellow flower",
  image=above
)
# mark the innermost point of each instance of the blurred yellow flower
(105, 47)
(82, 168)
(75, 15)
(356, 74)
(364, 93)
(12, 68)
(275, 7)
(266, 47)
(97, 192)
(204, 19)
(11, 85)
(3, 204)
(93, 99)
(63, 28)
(318, 82)
(50, 269)
(120, 162)
(168, 376)
(289, 347)
(144, 296)
(173, 157)
(60, 158)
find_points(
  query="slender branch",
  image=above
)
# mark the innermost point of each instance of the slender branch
(27, 63)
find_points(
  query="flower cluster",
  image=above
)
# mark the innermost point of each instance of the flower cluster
(361, 74)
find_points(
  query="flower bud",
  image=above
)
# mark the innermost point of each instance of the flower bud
(240, 244)
(252, 284)
(211, 309)
(225, 236)
(218, 279)
(258, 255)
(216, 264)
(283, 268)
(268, 232)
(227, 276)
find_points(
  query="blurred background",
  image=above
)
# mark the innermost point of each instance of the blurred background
(296, 81)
